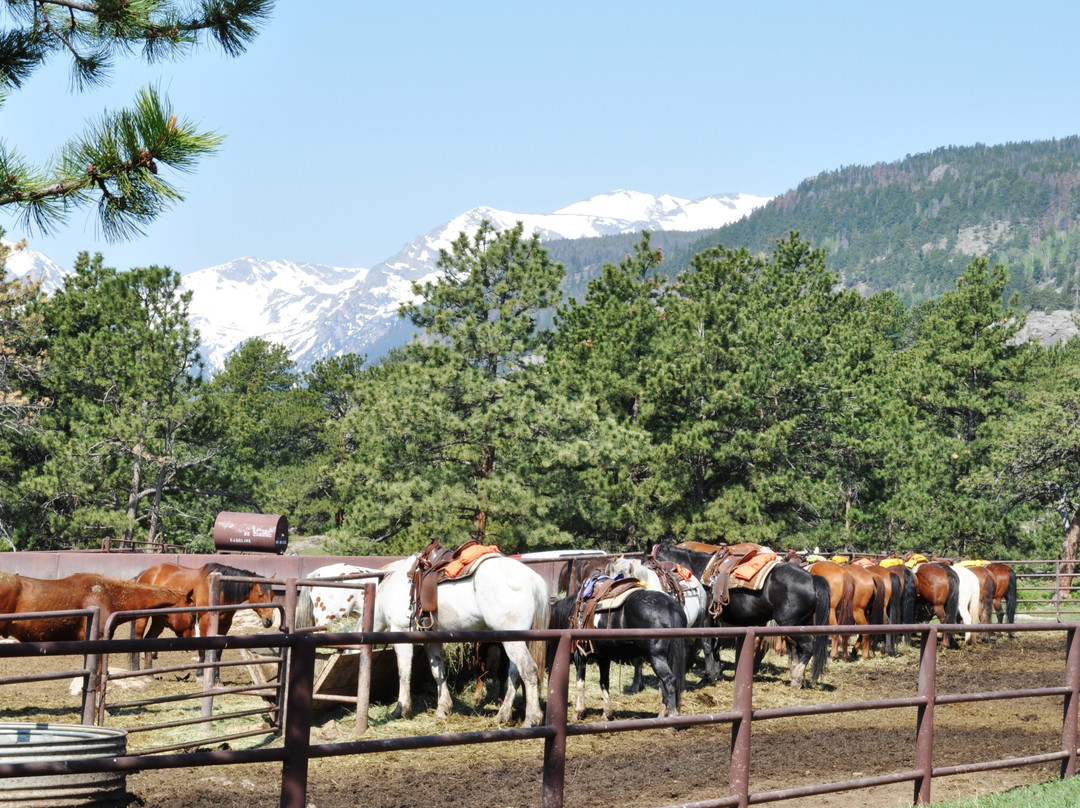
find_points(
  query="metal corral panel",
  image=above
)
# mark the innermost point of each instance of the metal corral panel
(25, 742)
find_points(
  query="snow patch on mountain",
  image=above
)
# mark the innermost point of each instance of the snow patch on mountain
(318, 311)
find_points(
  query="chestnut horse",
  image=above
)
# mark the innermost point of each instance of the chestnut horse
(197, 581)
(866, 605)
(83, 590)
(1004, 592)
(937, 591)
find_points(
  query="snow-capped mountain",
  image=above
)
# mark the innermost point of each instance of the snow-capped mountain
(319, 311)
(23, 262)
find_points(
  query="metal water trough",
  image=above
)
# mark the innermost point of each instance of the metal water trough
(22, 742)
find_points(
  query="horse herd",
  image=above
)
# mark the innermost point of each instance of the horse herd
(676, 587)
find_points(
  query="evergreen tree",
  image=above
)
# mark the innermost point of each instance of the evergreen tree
(116, 163)
(449, 433)
(127, 427)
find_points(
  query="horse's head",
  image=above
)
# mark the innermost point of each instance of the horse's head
(263, 593)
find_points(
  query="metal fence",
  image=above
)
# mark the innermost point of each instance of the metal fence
(297, 751)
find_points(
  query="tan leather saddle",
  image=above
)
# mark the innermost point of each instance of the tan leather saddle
(425, 576)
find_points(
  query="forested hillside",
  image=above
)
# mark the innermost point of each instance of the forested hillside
(914, 225)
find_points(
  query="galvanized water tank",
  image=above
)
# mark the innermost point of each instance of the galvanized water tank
(22, 742)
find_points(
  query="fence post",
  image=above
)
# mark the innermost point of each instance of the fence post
(1072, 703)
(924, 734)
(363, 677)
(297, 731)
(743, 704)
(91, 687)
(555, 744)
(211, 655)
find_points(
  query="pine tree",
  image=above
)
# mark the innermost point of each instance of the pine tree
(117, 162)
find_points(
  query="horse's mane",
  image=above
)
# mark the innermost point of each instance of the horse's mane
(232, 591)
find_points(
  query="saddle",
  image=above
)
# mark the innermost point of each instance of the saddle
(671, 578)
(743, 566)
(434, 564)
(600, 592)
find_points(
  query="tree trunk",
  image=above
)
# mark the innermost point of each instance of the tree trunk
(1068, 559)
(133, 494)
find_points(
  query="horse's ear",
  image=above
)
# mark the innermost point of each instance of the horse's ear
(191, 594)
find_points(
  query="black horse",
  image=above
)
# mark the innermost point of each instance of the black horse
(642, 608)
(791, 596)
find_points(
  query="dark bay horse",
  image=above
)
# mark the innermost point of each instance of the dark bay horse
(791, 596)
(642, 608)
(197, 581)
(83, 590)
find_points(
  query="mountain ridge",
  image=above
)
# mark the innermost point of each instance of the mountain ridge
(317, 311)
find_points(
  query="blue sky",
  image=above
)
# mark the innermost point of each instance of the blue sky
(354, 126)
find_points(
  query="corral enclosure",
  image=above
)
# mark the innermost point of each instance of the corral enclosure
(653, 768)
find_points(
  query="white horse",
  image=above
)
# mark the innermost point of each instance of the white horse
(318, 605)
(502, 594)
(970, 598)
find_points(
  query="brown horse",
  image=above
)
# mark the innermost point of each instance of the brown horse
(893, 603)
(867, 602)
(83, 590)
(841, 595)
(197, 581)
(1005, 596)
(937, 592)
(987, 588)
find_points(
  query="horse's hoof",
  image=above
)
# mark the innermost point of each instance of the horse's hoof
(397, 713)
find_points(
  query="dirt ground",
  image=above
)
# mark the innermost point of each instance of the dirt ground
(645, 769)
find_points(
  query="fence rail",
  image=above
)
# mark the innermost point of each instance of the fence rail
(297, 750)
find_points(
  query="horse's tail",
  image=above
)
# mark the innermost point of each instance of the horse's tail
(896, 599)
(986, 606)
(907, 609)
(1010, 598)
(877, 611)
(677, 656)
(305, 614)
(952, 602)
(822, 608)
(538, 648)
(845, 609)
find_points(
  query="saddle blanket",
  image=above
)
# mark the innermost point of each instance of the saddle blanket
(752, 576)
(466, 564)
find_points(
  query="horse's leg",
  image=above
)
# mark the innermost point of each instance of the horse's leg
(523, 663)
(437, 663)
(637, 684)
(579, 664)
(669, 692)
(800, 650)
(404, 654)
(604, 666)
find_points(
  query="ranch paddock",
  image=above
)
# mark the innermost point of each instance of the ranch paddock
(652, 768)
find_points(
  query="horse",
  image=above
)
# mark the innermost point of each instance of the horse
(892, 580)
(318, 605)
(987, 587)
(938, 592)
(1005, 596)
(791, 596)
(688, 591)
(968, 597)
(83, 590)
(197, 581)
(841, 597)
(642, 608)
(502, 594)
